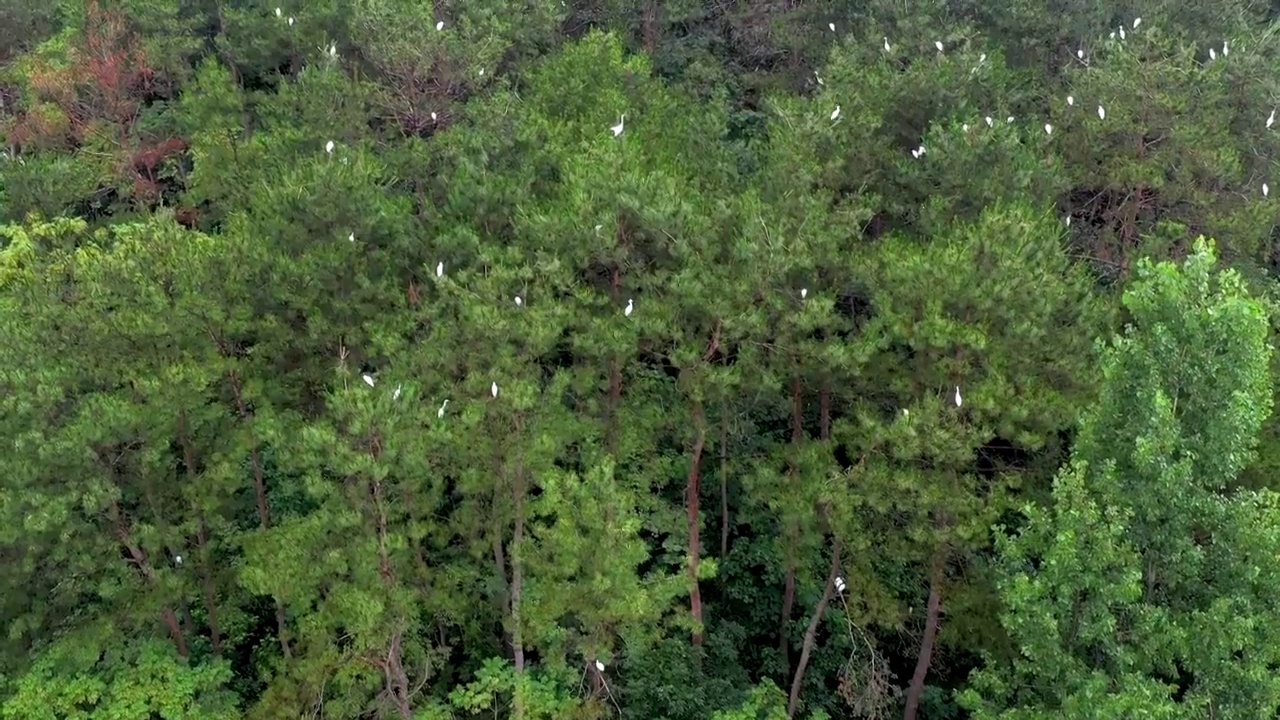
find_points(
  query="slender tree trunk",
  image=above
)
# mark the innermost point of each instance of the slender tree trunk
(916, 689)
(792, 539)
(650, 29)
(517, 579)
(691, 498)
(810, 634)
(724, 482)
(139, 559)
(207, 584)
(395, 677)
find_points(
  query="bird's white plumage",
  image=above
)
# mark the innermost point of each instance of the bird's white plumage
(629, 308)
(617, 129)
(440, 25)
(990, 122)
(886, 44)
(1048, 129)
(328, 147)
(443, 405)
(278, 13)
(1224, 48)
(1080, 53)
(1265, 190)
(599, 666)
(290, 22)
(839, 583)
(1271, 119)
(835, 113)
(938, 44)
(519, 301)
(959, 400)
(433, 117)
(177, 560)
(1102, 113)
(440, 269)
(1213, 54)
(804, 293)
(396, 395)
(368, 379)
(1071, 100)
(831, 27)
(965, 127)
(1136, 22)
(493, 389)
(1121, 33)
(1009, 119)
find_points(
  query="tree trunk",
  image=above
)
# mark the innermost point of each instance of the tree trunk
(207, 584)
(260, 496)
(916, 689)
(792, 539)
(148, 573)
(810, 635)
(517, 580)
(724, 483)
(691, 498)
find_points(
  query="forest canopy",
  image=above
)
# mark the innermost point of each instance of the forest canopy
(650, 359)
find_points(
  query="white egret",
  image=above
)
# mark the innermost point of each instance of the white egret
(1265, 190)
(1113, 35)
(906, 412)
(915, 154)
(290, 22)
(1068, 221)
(351, 237)
(1071, 100)
(433, 117)
(835, 114)
(839, 583)
(440, 25)
(278, 12)
(959, 400)
(1136, 22)
(1213, 54)
(1080, 53)
(177, 560)
(804, 293)
(920, 150)
(1224, 48)
(443, 405)
(982, 58)
(333, 50)
(368, 379)
(481, 72)
(989, 121)
(493, 389)
(396, 395)
(599, 666)
(1048, 129)
(519, 301)
(598, 229)
(1102, 114)
(1121, 33)
(631, 306)
(938, 44)
(818, 77)
(440, 269)
(1271, 118)
(965, 127)
(328, 147)
(1009, 119)
(886, 43)
(617, 129)
(831, 27)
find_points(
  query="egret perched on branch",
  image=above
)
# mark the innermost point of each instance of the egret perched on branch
(443, 405)
(440, 25)
(1071, 100)
(1079, 53)
(278, 13)
(964, 127)
(1048, 129)
(1271, 118)
(1136, 22)
(839, 583)
(368, 379)
(990, 122)
(396, 395)
(959, 400)
(617, 129)
(1121, 32)
(433, 117)
(831, 27)
(630, 307)
(177, 560)
(804, 293)
(599, 666)
(938, 44)
(328, 147)
(493, 389)
(519, 301)
(1224, 48)
(1213, 54)
(1102, 114)
(440, 269)
(290, 22)
(886, 43)
(835, 114)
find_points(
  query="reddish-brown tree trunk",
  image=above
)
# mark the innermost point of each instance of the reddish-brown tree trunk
(691, 498)
(916, 688)
(792, 539)
(264, 509)
(810, 634)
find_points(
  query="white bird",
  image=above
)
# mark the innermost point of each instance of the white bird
(481, 72)
(1113, 34)
(368, 379)
(1009, 119)
(989, 121)
(443, 405)
(440, 269)
(333, 50)
(1068, 221)
(440, 25)
(840, 585)
(1080, 53)
(831, 27)
(617, 129)
(804, 293)
(396, 395)
(631, 306)
(982, 58)
(1213, 54)
(906, 412)
(351, 237)
(886, 43)
(519, 301)
(915, 154)
(1271, 118)
(959, 400)
(599, 666)
(1048, 129)
(1071, 100)
(921, 150)
(177, 560)
(328, 147)
(598, 229)
(1102, 114)
(1224, 48)
(433, 117)
(493, 389)
(1121, 33)
(938, 44)
(835, 114)
(1136, 22)
(290, 22)
(278, 12)
(965, 127)
(1265, 190)
(818, 77)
